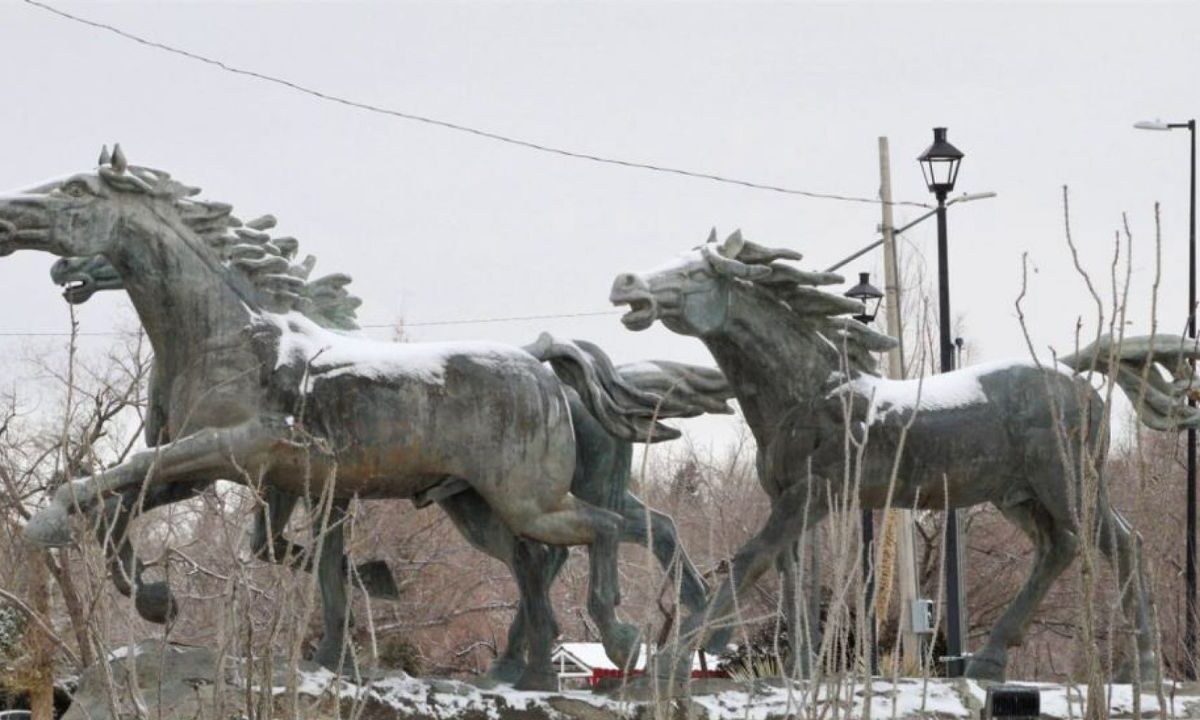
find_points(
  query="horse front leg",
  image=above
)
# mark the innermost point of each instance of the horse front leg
(153, 601)
(792, 512)
(211, 454)
(269, 543)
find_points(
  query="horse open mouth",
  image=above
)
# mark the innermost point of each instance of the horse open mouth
(77, 289)
(642, 312)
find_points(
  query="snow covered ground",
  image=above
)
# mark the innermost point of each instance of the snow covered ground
(178, 681)
(728, 700)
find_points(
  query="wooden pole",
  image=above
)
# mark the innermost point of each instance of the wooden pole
(897, 547)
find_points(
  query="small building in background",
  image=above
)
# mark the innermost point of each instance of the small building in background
(585, 665)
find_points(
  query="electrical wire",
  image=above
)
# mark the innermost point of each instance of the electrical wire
(399, 325)
(445, 124)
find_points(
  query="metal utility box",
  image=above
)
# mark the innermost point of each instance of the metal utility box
(922, 616)
(1012, 702)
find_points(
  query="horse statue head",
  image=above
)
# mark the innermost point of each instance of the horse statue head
(699, 293)
(87, 217)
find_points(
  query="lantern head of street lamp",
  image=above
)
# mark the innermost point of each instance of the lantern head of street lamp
(865, 292)
(1152, 125)
(940, 163)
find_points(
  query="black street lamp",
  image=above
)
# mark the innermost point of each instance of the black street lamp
(940, 163)
(865, 292)
(1189, 634)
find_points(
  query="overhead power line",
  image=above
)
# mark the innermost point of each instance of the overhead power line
(446, 124)
(399, 324)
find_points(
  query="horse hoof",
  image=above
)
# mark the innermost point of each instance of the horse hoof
(49, 527)
(542, 680)
(155, 603)
(622, 645)
(986, 667)
(506, 670)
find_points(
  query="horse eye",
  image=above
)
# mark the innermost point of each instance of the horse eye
(75, 189)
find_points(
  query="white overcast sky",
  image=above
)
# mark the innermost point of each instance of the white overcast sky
(435, 225)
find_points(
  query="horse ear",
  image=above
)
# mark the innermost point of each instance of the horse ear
(712, 236)
(730, 267)
(119, 163)
(733, 244)
(105, 157)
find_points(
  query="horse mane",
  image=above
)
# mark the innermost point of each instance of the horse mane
(269, 263)
(822, 314)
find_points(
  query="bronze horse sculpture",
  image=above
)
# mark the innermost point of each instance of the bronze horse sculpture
(1009, 433)
(259, 392)
(601, 477)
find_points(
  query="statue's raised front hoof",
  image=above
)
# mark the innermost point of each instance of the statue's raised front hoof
(621, 644)
(986, 667)
(506, 670)
(49, 527)
(545, 680)
(155, 603)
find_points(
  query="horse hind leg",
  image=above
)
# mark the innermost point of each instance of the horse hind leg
(576, 522)
(525, 660)
(1123, 547)
(535, 566)
(1054, 548)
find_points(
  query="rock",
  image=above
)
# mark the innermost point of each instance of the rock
(174, 680)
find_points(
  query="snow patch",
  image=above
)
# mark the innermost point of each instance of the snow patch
(125, 651)
(958, 389)
(330, 354)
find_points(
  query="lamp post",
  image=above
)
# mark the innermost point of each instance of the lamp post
(1189, 633)
(865, 292)
(939, 163)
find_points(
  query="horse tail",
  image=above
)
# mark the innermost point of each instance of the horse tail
(629, 402)
(1154, 372)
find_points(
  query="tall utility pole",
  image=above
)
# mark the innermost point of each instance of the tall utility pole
(897, 542)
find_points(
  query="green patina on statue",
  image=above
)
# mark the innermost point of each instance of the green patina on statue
(1011, 433)
(601, 477)
(251, 385)
(528, 449)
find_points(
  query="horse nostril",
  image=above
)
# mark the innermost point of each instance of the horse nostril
(627, 279)
(8, 231)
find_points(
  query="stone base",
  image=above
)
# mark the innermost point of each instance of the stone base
(177, 681)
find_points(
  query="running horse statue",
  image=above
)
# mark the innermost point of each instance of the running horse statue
(602, 472)
(1009, 433)
(255, 391)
